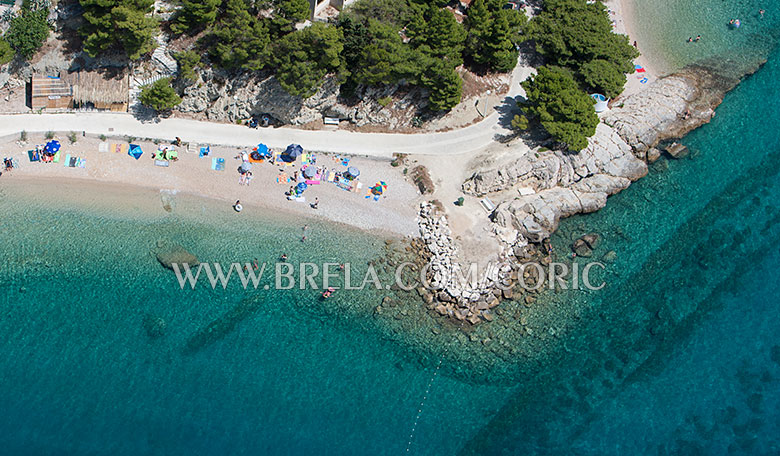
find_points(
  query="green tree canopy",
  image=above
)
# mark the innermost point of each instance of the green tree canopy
(195, 15)
(187, 61)
(572, 32)
(6, 52)
(437, 33)
(493, 33)
(159, 95)
(303, 58)
(564, 110)
(293, 10)
(445, 85)
(28, 31)
(603, 76)
(395, 12)
(385, 60)
(118, 22)
(241, 40)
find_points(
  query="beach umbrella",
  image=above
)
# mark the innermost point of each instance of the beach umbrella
(309, 172)
(246, 166)
(292, 152)
(354, 172)
(262, 149)
(383, 184)
(377, 189)
(52, 147)
(135, 151)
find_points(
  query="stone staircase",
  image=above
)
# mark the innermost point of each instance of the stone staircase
(165, 65)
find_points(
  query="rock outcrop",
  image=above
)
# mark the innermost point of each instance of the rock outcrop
(221, 98)
(176, 254)
(567, 183)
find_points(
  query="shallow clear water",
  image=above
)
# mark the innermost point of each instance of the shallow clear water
(295, 376)
(664, 27)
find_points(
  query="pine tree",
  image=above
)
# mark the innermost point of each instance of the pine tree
(118, 22)
(564, 110)
(159, 95)
(195, 15)
(303, 58)
(445, 85)
(241, 40)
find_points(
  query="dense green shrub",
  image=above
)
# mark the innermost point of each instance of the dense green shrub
(6, 52)
(187, 61)
(159, 95)
(28, 31)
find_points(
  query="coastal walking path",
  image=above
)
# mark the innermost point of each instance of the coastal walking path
(465, 140)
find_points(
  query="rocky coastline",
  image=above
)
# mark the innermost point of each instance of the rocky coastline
(540, 188)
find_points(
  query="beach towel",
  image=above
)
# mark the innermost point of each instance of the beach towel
(312, 182)
(162, 163)
(73, 161)
(34, 156)
(282, 178)
(103, 147)
(639, 69)
(56, 157)
(218, 164)
(331, 176)
(119, 148)
(81, 163)
(204, 152)
(67, 160)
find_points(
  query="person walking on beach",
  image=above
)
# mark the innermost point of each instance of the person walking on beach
(315, 203)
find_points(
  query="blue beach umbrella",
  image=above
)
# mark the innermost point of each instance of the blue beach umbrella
(262, 149)
(135, 151)
(352, 171)
(301, 187)
(292, 152)
(52, 147)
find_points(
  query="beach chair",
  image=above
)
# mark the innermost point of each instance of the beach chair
(487, 205)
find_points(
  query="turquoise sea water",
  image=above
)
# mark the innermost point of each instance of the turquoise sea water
(678, 355)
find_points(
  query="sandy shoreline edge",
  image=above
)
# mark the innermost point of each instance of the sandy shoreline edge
(393, 215)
